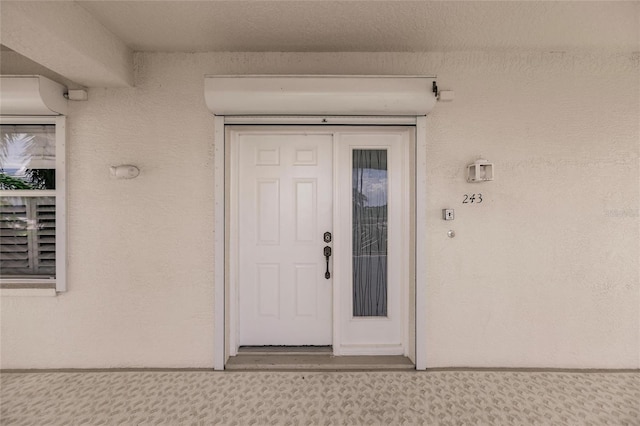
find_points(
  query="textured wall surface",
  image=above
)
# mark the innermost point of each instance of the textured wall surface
(543, 273)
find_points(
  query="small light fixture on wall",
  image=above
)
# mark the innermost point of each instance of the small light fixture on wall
(480, 171)
(125, 171)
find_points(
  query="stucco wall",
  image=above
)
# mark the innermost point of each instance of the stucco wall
(543, 273)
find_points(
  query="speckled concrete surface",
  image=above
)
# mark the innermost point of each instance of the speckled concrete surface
(323, 398)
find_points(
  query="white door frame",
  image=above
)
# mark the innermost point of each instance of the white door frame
(222, 301)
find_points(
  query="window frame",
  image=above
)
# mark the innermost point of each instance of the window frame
(59, 193)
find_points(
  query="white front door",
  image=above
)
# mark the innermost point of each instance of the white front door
(285, 207)
(289, 187)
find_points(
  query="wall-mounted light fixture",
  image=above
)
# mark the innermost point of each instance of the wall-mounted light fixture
(125, 171)
(480, 171)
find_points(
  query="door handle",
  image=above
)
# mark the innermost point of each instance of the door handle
(327, 255)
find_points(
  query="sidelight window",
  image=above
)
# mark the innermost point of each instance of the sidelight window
(369, 232)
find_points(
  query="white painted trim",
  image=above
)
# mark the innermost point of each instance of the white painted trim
(336, 261)
(219, 244)
(326, 120)
(365, 350)
(29, 193)
(61, 204)
(234, 240)
(421, 241)
(36, 119)
(405, 225)
(28, 292)
(319, 95)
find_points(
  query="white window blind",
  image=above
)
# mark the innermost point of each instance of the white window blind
(28, 237)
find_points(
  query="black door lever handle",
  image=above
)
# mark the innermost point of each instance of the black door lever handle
(327, 255)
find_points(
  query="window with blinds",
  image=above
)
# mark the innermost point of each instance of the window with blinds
(31, 196)
(28, 241)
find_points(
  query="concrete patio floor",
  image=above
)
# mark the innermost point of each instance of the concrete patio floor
(455, 397)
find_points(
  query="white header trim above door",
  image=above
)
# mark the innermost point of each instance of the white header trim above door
(369, 120)
(320, 95)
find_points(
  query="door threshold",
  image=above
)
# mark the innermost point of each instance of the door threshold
(285, 350)
(283, 361)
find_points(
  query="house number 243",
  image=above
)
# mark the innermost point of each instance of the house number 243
(472, 198)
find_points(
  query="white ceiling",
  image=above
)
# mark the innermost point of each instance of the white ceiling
(369, 25)
(91, 43)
